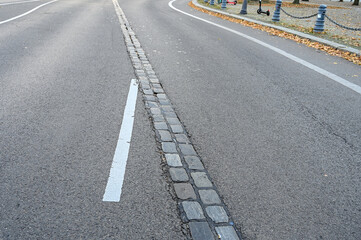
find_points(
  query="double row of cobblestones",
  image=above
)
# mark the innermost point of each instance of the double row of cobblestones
(198, 200)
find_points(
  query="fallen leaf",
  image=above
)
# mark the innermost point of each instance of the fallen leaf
(330, 50)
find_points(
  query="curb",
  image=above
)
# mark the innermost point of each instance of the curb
(294, 32)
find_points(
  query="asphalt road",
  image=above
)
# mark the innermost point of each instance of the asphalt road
(64, 80)
(280, 141)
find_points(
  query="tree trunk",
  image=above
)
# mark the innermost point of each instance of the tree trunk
(298, 1)
(356, 2)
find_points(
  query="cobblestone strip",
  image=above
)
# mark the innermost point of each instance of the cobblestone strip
(198, 199)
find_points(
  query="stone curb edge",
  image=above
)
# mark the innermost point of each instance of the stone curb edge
(294, 32)
(199, 202)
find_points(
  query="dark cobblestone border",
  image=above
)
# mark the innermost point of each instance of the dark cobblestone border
(198, 199)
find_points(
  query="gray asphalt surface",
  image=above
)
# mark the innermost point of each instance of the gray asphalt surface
(281, 141)
(64, 80)
(9, 11)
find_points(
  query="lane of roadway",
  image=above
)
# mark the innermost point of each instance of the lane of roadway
(281, 141)
(64, 79)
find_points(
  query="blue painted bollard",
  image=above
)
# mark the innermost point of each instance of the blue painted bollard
(277, 13)
(320, 22)
(212, 2)
(244, 7)
(205, 1)
(224, 4)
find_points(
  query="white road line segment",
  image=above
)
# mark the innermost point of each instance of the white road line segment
(114, 186)
(26, 13)
(12, 3)
(324, 72)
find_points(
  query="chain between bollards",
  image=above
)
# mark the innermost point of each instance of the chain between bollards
(342, 26)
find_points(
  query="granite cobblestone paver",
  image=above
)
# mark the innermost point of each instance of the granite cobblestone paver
(201, 231)
(179, 154)
(158, 90)
(164, 102)
(194, 163)
(209, 197)
(184, 191)
(193, 210)
(217, 214)
(162, 96)
(165, 135)
(176, 128)
(154, 80)
(227, 233)
(182, 138)
(167, 109)
(158, 118)
(173, 121)
(148, 91)
(160, 126)
(173, 160)
(187, 149)
(155, 111)
(201, 179)
(149, 98)
(170, 114)
(152, 104)
(145, 86)
(178, 174)
(169, 147)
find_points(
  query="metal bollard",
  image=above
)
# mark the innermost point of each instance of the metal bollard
(320, 22)
(277, 13)
(212, 2)
(205, 1)
(244, 7)
(224, 4)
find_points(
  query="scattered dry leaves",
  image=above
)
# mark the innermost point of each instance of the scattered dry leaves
(352, 57)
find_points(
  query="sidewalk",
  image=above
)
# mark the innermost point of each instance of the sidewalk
(342, 12)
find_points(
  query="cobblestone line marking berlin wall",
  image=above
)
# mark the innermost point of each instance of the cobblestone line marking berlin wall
(198, 199)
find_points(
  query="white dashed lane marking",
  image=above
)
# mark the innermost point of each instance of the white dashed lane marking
(114, 186)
